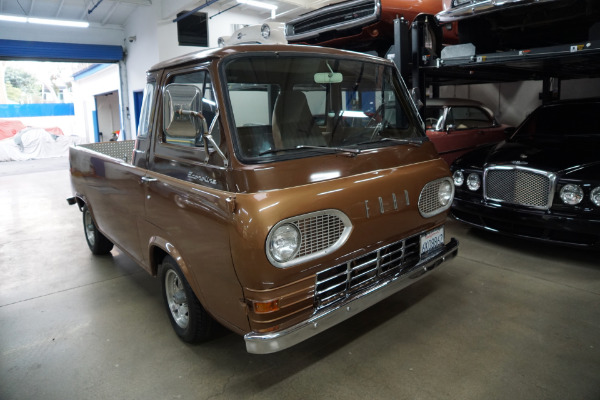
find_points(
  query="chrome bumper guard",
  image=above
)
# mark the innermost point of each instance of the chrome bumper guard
(271, 342)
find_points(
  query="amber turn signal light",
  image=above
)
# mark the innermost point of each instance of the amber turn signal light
(261, 307)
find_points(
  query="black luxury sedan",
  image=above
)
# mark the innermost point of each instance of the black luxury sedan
(542, 183)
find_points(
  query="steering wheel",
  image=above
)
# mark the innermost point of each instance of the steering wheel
(431, 122)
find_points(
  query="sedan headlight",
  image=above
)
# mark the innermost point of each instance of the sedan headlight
(284, 242)
(595, 196)
(473, 181)
(571, 194)
(459, 178)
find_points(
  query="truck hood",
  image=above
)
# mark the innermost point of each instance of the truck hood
(320, 167)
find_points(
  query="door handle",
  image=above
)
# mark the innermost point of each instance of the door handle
(148, 179)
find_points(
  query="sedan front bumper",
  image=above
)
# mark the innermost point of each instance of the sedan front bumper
(579, 231)
(264, 343)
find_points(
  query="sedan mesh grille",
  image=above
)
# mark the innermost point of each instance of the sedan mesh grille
(334, 17)
(519, 186)
(318, 233)
(338, 282)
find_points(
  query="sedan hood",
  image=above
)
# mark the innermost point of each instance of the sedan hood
(554, 156)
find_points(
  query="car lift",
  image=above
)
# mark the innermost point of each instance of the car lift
(459, 64)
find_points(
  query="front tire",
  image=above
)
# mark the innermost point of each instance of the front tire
(97, 242)
(189, 319)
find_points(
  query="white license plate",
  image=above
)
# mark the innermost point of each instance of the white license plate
(432, 240)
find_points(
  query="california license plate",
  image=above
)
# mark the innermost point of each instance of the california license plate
(432, 241)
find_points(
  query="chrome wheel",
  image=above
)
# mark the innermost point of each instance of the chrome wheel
(176, 299)
(88, 226)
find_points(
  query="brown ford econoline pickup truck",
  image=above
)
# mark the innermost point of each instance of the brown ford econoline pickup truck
(278, 190)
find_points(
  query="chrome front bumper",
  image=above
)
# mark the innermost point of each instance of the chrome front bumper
(264, 343)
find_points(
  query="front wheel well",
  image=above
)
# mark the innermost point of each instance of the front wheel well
(157, 255)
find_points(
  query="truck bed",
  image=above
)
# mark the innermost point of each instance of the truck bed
(119, 150)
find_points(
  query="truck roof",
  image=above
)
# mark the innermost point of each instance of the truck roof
(223, 52)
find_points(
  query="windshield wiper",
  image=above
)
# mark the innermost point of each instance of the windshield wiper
(413, 141)
(352, 152)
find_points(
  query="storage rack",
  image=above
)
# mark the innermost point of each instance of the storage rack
(560, 62)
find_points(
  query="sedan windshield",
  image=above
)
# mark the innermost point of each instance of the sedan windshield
(294, 106)
(562, 121)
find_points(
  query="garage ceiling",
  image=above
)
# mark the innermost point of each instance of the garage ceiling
(116, 12)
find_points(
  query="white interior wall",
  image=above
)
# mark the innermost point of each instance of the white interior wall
(156, 38)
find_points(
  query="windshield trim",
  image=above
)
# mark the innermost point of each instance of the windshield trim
(414, 119)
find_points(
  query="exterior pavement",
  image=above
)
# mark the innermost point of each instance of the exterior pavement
(506, 319)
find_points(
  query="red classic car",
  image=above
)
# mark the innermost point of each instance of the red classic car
(456, 126)
(368, 25)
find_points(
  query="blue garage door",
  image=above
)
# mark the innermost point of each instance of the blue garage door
(50, 51)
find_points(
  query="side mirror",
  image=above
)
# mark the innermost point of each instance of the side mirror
(450, 128)
(182, 103)
(183, 119)
(415, 94)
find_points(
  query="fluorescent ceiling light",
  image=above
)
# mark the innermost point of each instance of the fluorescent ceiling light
(258, 4)
(59, 22)
(12, 18)
(45, 21)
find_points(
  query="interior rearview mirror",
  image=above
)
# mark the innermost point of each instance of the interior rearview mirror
(328, 77)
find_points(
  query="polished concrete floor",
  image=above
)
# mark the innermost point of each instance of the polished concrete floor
(506, 319)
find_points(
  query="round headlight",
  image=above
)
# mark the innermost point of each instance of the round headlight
(265, 31)
(445, 193)
(473, 182)
(595, 196)
(285, 242)
(571, 194)
(459, 178)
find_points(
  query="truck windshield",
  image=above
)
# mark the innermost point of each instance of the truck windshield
(298, 106)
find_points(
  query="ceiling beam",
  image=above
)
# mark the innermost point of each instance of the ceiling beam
(137, 2)
(110, 12)
(60, 6)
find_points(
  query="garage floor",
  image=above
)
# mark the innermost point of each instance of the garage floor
(506, 319)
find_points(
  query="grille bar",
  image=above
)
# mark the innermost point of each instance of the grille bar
(345, 15)
(335, 17)
(338, 282)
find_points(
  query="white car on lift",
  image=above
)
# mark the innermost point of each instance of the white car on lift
(271, 33)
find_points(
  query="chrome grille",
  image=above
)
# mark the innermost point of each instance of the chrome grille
(319, 232)
(429, 202)
(519, 186)
(338, 282)
(332, 18)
